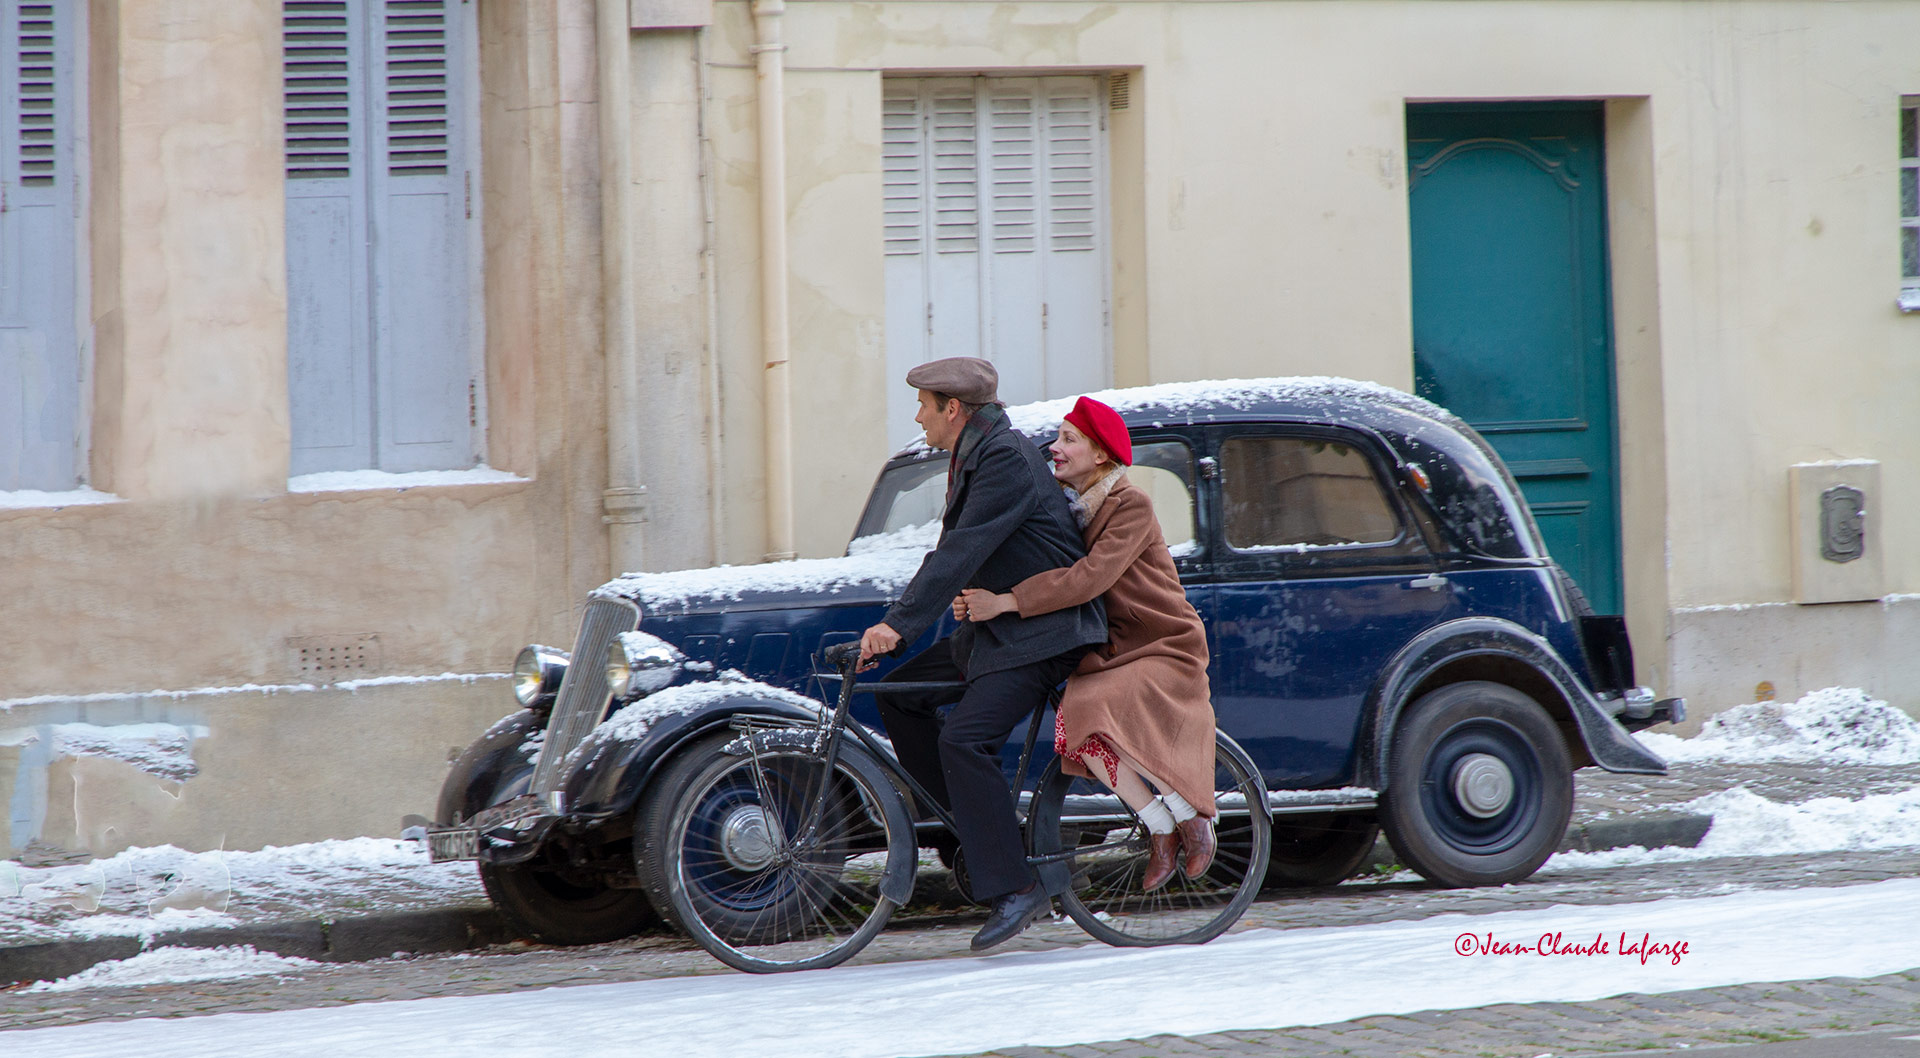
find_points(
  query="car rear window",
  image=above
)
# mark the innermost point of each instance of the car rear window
(1294, 493)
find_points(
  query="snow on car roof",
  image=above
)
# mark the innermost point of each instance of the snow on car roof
(1184, 401)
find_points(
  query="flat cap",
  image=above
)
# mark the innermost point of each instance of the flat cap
(968, 378)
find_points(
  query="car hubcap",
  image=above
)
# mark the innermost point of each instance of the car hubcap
(1483, 785)
(745, 838)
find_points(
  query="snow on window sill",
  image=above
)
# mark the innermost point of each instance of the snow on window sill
(358, 480)
(1910, 300)
(20, 498)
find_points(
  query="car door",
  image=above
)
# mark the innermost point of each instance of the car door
(1321, 575)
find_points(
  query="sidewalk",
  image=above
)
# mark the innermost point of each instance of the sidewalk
(372, 898)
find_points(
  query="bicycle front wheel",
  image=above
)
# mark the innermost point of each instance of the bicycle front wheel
(1105, 847)
(731, 850)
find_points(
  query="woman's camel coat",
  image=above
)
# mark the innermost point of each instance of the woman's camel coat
(1145, 691)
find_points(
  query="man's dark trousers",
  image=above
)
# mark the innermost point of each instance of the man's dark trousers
(958, 759)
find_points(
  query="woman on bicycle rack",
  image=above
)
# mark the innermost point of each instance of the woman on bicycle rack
(1137, 713)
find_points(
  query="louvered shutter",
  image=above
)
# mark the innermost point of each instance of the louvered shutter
(995, 233)
(40, 359)
(1074, 247)
(381, 270)
(903, 184)
(425, 365)
(329, 345)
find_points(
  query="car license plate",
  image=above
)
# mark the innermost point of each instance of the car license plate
(453, 843)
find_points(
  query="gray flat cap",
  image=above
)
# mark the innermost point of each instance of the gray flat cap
(968, 378)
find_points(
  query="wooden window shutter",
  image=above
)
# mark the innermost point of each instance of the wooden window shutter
(428, 403)
(329, 349)
(40, 361)
(380, 249)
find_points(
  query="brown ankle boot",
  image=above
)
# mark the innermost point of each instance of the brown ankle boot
(1196, 835)
(1163, 852)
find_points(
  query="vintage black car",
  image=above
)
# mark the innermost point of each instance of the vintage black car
(1391, 644)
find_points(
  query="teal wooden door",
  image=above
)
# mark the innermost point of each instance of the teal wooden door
(1511, 325)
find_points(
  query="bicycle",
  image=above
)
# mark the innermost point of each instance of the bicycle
(788, 845)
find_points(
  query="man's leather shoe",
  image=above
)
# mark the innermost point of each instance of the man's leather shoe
(1163, 852)
(1012, 913)
(1196, 836)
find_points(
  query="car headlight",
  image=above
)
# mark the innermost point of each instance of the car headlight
(640, 663)
(619, 673)
(537, 673)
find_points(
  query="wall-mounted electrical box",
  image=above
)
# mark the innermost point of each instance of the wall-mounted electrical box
(1837, 529)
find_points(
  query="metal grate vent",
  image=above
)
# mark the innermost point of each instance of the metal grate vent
(330, 658)
(1119, 90)
(416, 87)
(318, 89)
(37, 112)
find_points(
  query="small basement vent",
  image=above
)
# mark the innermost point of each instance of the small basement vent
(328, 659)
(1119, 90)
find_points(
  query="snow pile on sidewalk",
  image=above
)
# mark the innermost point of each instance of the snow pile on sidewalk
(147, 891)
(1746, 824)
(1837, 725)
(175, 966)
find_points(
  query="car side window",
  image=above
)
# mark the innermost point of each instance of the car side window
(1298, 493)
(1164, 471)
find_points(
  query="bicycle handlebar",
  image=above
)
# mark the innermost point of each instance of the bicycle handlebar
(845, 655)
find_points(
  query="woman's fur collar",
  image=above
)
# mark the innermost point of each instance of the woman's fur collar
(1085, 506)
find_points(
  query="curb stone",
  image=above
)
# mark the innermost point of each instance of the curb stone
(340, 940)
(378, 936)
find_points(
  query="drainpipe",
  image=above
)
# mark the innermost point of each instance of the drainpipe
(624, 502)
(767, 51)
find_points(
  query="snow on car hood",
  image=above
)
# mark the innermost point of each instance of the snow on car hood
(879, 574)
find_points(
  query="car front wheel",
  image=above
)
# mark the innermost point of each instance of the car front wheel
(545, 903)
(1479, 788)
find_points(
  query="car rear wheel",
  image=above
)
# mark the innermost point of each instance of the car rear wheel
(1479, 788)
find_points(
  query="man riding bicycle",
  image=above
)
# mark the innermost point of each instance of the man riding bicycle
(1006, 520)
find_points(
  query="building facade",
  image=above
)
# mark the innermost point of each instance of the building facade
(345, 344)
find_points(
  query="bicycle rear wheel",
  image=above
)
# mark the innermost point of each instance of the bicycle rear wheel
(1105, 846)
(725, 851)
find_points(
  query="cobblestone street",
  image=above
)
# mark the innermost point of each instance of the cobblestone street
(1753, 1013)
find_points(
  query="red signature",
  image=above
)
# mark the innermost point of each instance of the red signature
(1551, 944)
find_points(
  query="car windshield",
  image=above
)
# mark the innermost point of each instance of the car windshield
(906, 504)
(909, 499)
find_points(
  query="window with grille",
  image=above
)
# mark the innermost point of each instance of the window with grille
(995, 231)
(381, 244)
(1910, 204)
(40, 351)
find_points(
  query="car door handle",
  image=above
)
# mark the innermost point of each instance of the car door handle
(1431, 582)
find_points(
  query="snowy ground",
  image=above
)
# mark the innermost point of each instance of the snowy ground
(1252, 980)
(144, 892)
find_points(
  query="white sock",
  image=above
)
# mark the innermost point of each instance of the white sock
(1176, 804)
(1156, 817)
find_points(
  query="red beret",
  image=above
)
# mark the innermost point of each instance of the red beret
(1103, 427)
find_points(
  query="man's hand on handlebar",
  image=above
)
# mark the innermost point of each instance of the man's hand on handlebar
(875, 641)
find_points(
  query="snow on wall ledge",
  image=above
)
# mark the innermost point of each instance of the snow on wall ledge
(358, 480)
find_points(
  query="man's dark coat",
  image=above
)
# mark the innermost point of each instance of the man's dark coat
(1006, 520)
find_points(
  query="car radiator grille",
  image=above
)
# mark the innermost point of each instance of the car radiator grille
(582, 701)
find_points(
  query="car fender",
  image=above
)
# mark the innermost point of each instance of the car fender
(607, 773)
(1608, 743)
(497, 767)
